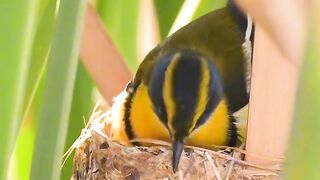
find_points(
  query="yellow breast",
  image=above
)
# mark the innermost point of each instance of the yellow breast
(214, 131)
(146, 125)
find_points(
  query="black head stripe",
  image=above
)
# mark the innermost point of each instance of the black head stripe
(186, 84)
(155, 88)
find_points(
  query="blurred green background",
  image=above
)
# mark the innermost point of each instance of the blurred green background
(45, 90)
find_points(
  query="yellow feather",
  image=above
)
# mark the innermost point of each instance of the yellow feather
(144, 122)
(214, 131)
(167, 91)
(203, 93)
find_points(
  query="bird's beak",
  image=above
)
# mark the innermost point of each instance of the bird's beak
(177, 147)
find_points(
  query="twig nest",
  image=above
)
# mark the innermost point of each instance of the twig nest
(98, 157)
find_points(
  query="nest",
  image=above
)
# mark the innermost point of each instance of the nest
(98, 157)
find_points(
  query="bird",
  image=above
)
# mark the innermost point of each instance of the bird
(193, 88)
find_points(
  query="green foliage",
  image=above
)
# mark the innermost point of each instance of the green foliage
(167, 12)
(34, 89)
(206, 6)
(82, 105)
(40, 49)
(121, 19)
(17, 19)
(24, 150)
(303, 156)
(62, 64)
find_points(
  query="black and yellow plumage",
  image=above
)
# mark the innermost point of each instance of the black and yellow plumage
(187, 89)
